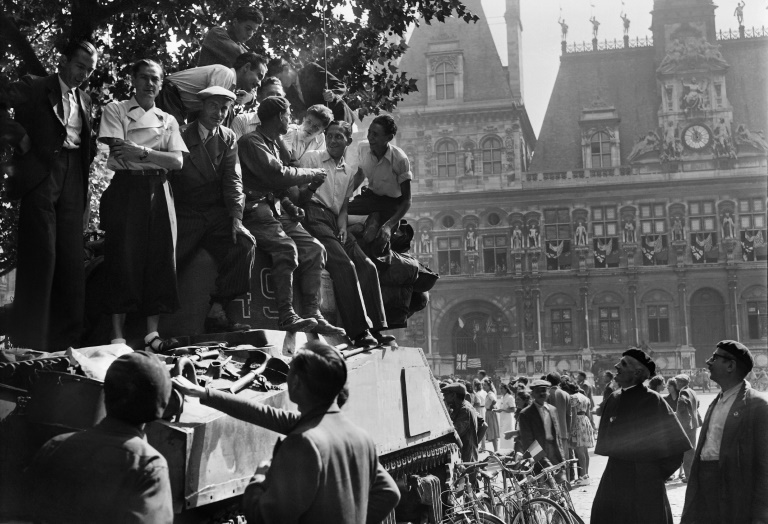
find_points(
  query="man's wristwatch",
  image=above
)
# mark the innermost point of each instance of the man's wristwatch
(143, 156)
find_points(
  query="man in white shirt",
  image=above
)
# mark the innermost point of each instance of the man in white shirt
(387, 198)
(729, 475)
(355, 279)
(179, 94)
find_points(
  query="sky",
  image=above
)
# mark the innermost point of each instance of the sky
(541, 34)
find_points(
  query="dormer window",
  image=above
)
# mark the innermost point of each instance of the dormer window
(445, 88)
(600, 147)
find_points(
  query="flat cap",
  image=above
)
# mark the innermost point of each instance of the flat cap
(457, 388)
(642, 357)
(216, 91)
(539, 383)
(739, 352)
(271, 106)
(683, 377)
(137, 387)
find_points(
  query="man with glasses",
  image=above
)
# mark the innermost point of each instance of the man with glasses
(644, 443)
(729, 475)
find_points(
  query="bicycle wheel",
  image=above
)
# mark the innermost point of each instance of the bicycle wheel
(541, 511)
(468, 517)
(575, 519)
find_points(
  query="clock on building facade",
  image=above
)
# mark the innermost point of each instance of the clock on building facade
(697, 137)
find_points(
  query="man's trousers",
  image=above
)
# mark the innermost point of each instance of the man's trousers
(211, 229)
(49, 300)
(355, 279)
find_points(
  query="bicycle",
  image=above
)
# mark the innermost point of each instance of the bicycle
(547, 487)
(465, 505)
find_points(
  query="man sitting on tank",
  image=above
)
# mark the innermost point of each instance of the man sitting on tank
(326, 468)
(109, 473)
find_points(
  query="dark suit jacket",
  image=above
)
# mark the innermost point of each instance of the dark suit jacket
(743, 461)
(326, 469)
(35, 99)
(312, 81)
(208, 176)
(532, 428)
(687, 410)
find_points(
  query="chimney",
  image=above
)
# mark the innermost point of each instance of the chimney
(514, 48)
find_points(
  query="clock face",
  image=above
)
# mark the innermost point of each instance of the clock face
(697, 137)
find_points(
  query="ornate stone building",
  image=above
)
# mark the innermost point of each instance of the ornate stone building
(639, 219)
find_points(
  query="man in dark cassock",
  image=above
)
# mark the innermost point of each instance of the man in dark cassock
(644, 443)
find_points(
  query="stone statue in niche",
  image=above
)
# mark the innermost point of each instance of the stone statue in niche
(470, 240)
(581, 234)
(677, 230)
(425, 241)
(695, 96)
(517, 237)
(728, 225)
(469, 163)
(629, 232)
(723, 145)
(533, 235)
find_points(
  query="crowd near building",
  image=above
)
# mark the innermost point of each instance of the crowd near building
(637, 216)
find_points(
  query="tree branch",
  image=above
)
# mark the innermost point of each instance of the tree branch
(20, 43)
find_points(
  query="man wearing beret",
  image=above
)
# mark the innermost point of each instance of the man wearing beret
(208, 193)
(464, 419)
(644, 443)
(729, 476)
(265, 179)
(109, 473)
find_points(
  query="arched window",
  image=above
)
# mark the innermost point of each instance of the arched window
(445, 88)
(600, 147)
(446, 158)
(491, 148)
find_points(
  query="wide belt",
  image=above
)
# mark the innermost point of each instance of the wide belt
(140, 172)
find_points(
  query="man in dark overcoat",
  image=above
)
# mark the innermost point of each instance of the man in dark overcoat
(52, 183)
(729, 475)
(644, 443)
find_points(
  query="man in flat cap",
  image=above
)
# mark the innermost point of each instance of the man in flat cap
(209, 198)
(464, 419)
(109, 473)
(539, 423)
(644, 443)
(729, 476)
(265, 179)
(688, 414)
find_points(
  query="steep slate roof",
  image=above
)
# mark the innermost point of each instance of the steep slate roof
(746, 81)
(484, 76)
(624, 79)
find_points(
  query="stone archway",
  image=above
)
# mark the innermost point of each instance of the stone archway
(707, 322)
(481, 336)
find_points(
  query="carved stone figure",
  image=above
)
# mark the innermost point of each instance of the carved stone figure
(625, 18)
(629, 232)
(739, 12)
(470, 242)
(728, 225)
(581, 234)
(563, 29)
(695, 96)
(673, 148)
(595, 26)
(693, 53)
(645, 144)
(517, 237)
(469, 163)
(533, 236)
(677, 230)
(426, 242)
(747, 137)
(723, 145)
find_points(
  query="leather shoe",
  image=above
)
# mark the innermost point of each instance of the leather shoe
(385, 340)
(326, 328)
(223, 325)
(295, 323)
(365, 340)
(161, 345)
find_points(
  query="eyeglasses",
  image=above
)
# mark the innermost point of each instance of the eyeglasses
(715, 355)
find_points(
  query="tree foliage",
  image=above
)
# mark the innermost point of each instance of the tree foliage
(362, 47)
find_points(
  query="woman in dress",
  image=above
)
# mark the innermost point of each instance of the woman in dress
(491, 417)
(505, 410)
(582, 434)
(672, 395)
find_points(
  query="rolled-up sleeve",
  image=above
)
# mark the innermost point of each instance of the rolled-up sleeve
(112, 122)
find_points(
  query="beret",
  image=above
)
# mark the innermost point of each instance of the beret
(137, 387)
(738, 351)
(271, 106)
(457, 388)
(642, 357)
(540, 383)
(215, 91)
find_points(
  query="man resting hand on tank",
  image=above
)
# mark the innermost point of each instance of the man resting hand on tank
(326, 469)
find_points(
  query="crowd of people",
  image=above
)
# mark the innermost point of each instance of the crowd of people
(647, 436)
(281, 180)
